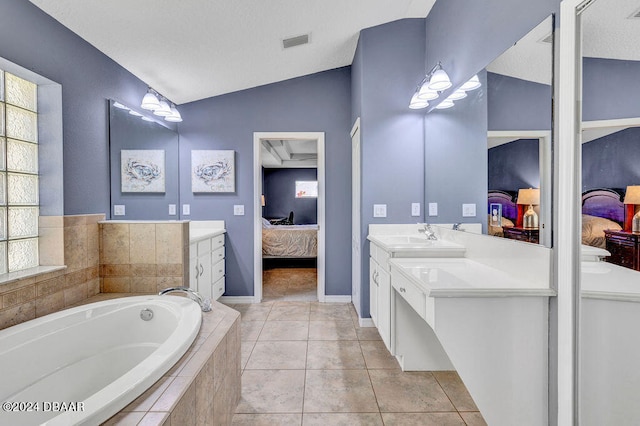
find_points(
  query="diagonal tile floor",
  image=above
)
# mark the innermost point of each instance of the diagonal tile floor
(309, 363)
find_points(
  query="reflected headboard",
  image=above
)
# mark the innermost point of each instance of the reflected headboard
(508, 201)
(604, 202)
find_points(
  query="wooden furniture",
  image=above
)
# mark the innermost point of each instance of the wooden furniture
(530, 235)
(624, 248)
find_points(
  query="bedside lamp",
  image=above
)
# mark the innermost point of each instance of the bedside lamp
(529, 197)
(262, 201)
(632, 197)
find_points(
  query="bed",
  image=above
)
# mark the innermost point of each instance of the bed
(507, 201)
(289, 241)
(602, 208)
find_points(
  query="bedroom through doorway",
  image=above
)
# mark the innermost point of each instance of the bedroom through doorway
(289, 216)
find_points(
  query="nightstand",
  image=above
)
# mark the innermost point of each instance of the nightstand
(624, 248)
(530, 235)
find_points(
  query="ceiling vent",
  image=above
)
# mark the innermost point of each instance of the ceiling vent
(295, 41)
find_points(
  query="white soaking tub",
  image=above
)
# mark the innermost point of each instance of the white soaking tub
(83, 365)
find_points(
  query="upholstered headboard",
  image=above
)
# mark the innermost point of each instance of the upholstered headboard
(604, 202)
(507, 200)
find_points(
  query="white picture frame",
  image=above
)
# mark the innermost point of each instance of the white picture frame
(142, 170)
(213, 171)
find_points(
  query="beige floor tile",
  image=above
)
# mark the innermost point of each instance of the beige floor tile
(285, 330)
(289, 311)
(330, 311)
(376, 355)
(254, 311)
(398, 391)
(332, 330)
(340, 391)
(271, 391)
(368, 333)
(246, 347)
(473, 419)
(334, 355)
(452, 385)
(341, 419)
(251, 329)
(422, 419)
(278, 355)
(266, 419)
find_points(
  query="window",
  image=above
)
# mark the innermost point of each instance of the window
(306, 189)
(19, 204)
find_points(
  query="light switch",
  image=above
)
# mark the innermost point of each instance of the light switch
(172, 209)
(415, 209)
(186, 209)
(433, 209)
(118, 209)
(468, 210)
(238, 210)
(379, 210)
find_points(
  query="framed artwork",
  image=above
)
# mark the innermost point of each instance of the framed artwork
(306, 189)
(213, 171)
(496, 214)
(142, 170)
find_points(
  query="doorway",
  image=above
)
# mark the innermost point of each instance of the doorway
(281, 145)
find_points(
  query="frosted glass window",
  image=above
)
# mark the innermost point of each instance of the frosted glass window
(22, 189)
(3, 189)
(3, 142)
(21, 124)
(3, 257)
(1, 85)
(20, 92)
(23, 254)
(3, 224)
(22, 156)
(23, 222)
(1, 119)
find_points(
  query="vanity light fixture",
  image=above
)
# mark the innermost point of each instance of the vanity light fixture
(150, 100)
(472, 84)
(417, 103)
(457, 95)
(135, 113)
(529, 197)
(439, 79)
(164, 110)
(632, 200)
(175, 116)
(160, 106)
(428, 88)
(447, 103)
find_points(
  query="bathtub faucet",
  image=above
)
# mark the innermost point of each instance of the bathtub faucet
(205, 304)
(428, 231)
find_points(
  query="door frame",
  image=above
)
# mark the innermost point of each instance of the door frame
(257, 206)
(356, 249)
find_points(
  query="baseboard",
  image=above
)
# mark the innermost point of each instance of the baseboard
(337, 299)
(366, 322)
(236, 300)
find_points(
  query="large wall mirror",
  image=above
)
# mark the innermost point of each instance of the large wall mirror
(519, 116)
(143, 165)
(609, 347)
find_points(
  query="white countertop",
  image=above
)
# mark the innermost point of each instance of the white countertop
(601, 280)
(463, 277)
(201, 234)
(417, 243)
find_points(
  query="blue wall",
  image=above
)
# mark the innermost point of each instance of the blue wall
(515, 165)
(316, 103)
(32, 39)
(279, 190)
(390, 60)
(612, 161)
(611, 89)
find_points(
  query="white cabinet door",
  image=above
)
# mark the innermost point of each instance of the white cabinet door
(384, 306)
(194, 271)
(204, 279)
(373, 291)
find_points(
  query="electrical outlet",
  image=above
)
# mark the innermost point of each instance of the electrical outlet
(118, 209)
(186, 209)
(238, 210)
(468, 210)
(379, 210)
(433, 209)
(172, 209)
(415, 209)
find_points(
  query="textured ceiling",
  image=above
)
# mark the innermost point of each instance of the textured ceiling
(195, 49)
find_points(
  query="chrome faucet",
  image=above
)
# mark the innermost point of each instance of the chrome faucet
(205, 304)
(428, 231)
(457, 227)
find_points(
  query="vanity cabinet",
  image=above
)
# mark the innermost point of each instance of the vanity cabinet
(207, 267)
(380, 292)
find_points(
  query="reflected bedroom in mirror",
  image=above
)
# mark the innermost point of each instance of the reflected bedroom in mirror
(519, 98)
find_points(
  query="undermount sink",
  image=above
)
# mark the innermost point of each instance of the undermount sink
(418, 243)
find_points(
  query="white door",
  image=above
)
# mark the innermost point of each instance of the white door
(356, 256)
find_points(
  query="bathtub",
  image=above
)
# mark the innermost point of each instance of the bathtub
(83, 365)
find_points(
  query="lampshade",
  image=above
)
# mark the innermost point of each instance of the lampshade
(164, 110)
(119, 105)
(439, 80)
(175, 116)
(427, 94)
(632, 195)
(529, 196)
(457, 95)
(150, 101)
(135, 113)
(447, 103)
(417, 103)
(472, 84)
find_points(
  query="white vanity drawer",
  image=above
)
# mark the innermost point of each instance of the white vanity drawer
(217, 255)
(217, 242)
(409, 292)
(204, 246)
(218, 288)
(217, 271)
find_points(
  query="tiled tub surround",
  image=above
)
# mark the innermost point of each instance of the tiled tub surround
(64, 240)
(203, 388)
(143, 256)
